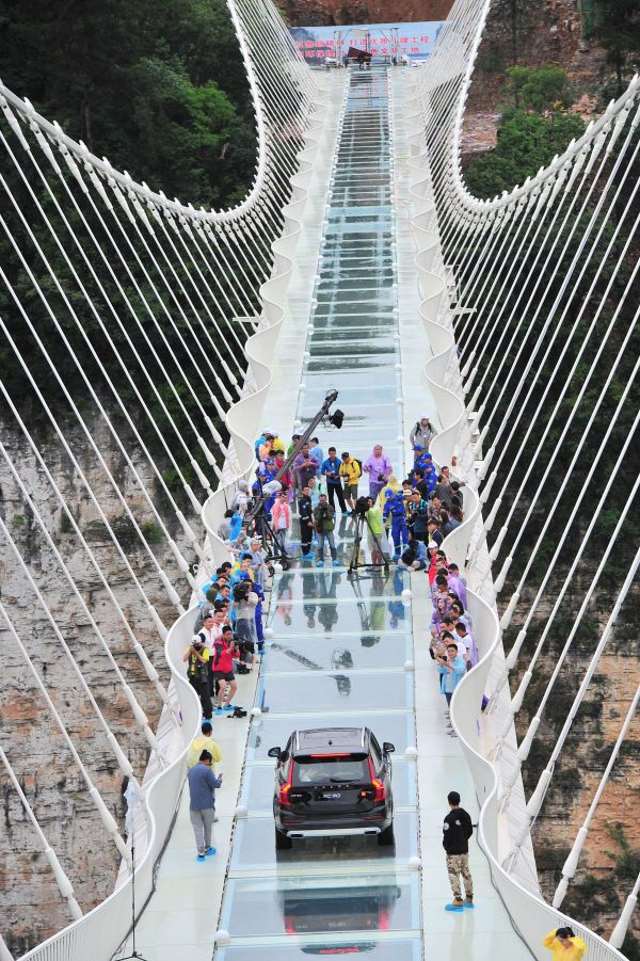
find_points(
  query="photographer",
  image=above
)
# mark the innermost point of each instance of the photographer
(378, 467)
(197, 658)
(324, 523)
(243, 615)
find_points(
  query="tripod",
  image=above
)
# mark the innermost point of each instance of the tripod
(354, 563)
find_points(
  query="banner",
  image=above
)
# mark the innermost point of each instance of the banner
(391, 41)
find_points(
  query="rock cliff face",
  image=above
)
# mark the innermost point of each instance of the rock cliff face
(609, 863)
(31, 908)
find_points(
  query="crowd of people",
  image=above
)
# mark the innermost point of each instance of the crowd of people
(405, 521)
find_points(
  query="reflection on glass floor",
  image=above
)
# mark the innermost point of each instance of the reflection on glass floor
(273, 906)
(373, 583)
(254, 850)
(400, 949)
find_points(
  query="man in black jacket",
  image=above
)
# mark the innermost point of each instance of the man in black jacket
(456, 831)
(305, 511)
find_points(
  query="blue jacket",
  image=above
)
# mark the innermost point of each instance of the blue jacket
(332, 465)
(449, 680)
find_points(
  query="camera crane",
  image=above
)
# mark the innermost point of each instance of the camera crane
(275, 550)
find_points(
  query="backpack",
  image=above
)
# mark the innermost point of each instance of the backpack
(359, 463)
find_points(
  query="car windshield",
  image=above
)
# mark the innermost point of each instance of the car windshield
(331, 770)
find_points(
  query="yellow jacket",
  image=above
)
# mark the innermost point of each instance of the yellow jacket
(350, 470)
(200, 744)
(560, 953)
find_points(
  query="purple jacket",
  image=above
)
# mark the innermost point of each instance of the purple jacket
(378, 465)
(457, 585)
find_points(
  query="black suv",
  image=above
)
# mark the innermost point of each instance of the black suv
(332, 781)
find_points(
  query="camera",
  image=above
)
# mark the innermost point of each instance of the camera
(362, 506)
(197, 644)
(381, 478)
(241, 591)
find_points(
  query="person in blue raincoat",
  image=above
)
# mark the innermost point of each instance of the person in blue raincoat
(394, 507)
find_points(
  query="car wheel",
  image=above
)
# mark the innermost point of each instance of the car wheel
(386, 837)
(283, 843)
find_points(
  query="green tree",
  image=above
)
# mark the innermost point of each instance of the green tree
(617, 28)
(145, 83)
(538, 88)
(526, 142)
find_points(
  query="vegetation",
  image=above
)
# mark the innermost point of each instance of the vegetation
(531, 132)
(158, 86)
(616, 25)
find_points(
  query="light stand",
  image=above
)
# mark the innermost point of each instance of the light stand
(134, 920)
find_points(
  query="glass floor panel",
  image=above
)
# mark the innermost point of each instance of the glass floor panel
(400, 949)
(345, 338)
(336, 320)
(353, 691)
(327, 653)
(257, 788)
(368, 615)
(395, 726)
(346, 307)
(276, 906)
(296, 584)
(358, 363)
(254, 848)
(362, 378)
(355, 283)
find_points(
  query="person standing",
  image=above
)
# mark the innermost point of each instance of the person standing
(197, 658)
(204, 742)
(304, 467)
(422, 434)
(456, 831)
(378, 467)
(351, 472)
(305, 512)
(317, 454)
(202, 803)
(324, 521)
(281, 520)
(565, 945)
(451, 666)
(331, 471)
(224, 678)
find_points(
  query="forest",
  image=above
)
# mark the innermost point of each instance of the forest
(157, 86)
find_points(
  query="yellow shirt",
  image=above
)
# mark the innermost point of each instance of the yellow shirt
(350, 470)
(200, 744)
(560, 953)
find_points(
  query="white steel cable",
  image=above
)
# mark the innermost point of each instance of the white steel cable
(136, 709)
(150, 670)
(571, 862)
(537, 798)
(105, 815)
(65, 886)
(98, 318)
(171, 591)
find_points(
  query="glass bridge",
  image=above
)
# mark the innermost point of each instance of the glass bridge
(339, 644)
